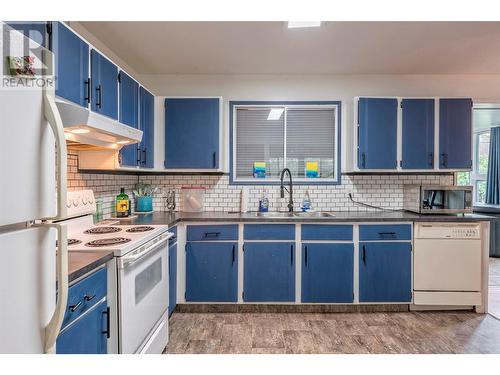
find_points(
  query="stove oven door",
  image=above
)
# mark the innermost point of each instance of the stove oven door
(143, 296)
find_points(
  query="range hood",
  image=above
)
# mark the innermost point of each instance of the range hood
(87, 130)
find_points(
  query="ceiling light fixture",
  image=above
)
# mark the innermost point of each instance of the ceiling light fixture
(303, 24)
(275, 113)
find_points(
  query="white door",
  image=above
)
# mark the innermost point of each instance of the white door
(27, 288)
(27, 155)
(143, 297)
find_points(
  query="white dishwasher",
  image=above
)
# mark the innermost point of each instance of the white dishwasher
(447, 264)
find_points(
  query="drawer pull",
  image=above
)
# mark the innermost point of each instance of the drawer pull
(212, 234)
(73, 308)
(88, 298)
(387, 234)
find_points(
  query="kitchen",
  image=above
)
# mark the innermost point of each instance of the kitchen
(237, 205)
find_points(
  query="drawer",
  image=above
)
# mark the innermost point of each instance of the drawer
(269, 232)
(326, 232)
(385, 232)
(212, 232)
(84, 294)
(173, 239)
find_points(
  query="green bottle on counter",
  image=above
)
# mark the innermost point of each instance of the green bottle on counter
(122, 204)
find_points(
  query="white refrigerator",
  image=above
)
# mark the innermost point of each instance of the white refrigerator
(33, 285)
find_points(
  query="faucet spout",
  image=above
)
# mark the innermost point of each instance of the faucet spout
(289, 190)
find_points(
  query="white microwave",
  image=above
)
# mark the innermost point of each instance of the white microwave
(437, 199)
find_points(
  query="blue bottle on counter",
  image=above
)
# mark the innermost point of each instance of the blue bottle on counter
(264, 202)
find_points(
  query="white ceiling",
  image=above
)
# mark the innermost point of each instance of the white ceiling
(334, 48)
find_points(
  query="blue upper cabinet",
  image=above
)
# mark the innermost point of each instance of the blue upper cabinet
(129, 115)
(104, 75)
(71, 65)
(269, 272)
(327, 272)
(211, 271)
(418, 133)
(147, 127)
(455, 133)
(385, 272)
(192, 133)
(377, 133)
(36, 31)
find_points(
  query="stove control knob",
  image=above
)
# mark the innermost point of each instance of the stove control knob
(85, 199)
(68, 203)
(75, 202)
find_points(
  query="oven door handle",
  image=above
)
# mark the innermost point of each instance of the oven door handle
(127, 260)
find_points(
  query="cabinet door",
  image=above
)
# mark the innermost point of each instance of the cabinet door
(71, 65)
(455, 133)
(147, 127)
(269, 272)
(192, 133)
(172, 278)
(377, 133)
(418, 134)
(327, 272)
(86, 335)
(385, 271)
(211, 271)
(104, 76)
(129, 115)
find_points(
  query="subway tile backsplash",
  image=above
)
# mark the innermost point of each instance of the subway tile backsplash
(378, 190)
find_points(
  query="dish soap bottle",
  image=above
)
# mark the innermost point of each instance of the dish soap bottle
(122, 204)
(306, 202)
(264, 202)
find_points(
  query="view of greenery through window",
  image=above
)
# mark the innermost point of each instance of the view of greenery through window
(477, 178)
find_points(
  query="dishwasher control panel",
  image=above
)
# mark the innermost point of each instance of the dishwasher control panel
(451, 230)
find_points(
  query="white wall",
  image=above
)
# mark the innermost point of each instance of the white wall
(482, 88)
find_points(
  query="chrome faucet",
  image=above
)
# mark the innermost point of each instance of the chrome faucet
(290, 190)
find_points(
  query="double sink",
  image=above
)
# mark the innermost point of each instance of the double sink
(292, 214)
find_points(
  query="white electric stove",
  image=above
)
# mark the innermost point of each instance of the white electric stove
(141, 268)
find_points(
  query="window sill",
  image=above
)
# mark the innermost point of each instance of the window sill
(487, 208)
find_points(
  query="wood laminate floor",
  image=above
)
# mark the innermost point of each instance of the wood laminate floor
(358, 333)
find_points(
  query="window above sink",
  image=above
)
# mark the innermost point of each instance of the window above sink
(269, 136)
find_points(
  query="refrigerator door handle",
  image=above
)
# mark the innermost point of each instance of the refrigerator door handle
(54, 119)
(54, 327)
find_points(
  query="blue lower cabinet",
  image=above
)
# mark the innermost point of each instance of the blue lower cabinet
(172, 278)
(269, 272)
(87, 334)
(327, 272)
(385, 272)
(211, 271)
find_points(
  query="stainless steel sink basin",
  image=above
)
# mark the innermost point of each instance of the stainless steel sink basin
(313, 214)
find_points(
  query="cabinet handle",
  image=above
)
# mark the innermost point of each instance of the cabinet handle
(87, 97)
(73, 308)
(444, 159)
(363, 256)
(88, 298)
(363, 160)
(305, 256)
(384, 235)
(233, 252)
(214, 159)
(138, 150)
(144, 154)
(291, 255)
(431, 159)
(99, 96)
(108, 320)
(212, 234)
